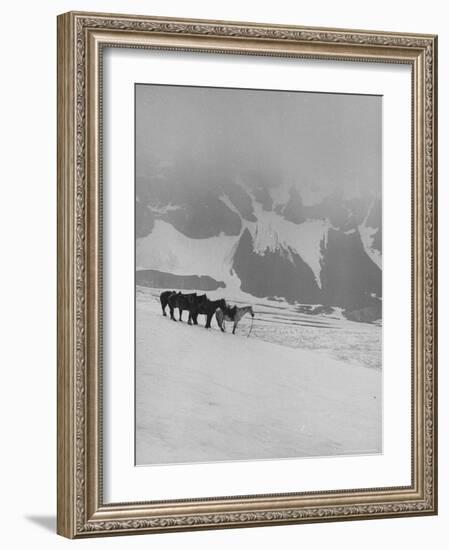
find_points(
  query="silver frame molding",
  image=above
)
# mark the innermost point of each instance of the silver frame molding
(81, 38)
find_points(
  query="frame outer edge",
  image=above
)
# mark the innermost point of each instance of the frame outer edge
(435, 270)
(127, 17)
(66, 431)
(75, 503)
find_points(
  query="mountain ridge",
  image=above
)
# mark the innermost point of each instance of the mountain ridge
(327, 253)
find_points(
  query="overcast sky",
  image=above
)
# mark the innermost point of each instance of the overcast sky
(311, 140)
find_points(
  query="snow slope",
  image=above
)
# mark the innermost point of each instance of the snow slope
(206, 396)
(167, 249)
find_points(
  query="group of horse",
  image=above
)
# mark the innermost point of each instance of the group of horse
(196, 305)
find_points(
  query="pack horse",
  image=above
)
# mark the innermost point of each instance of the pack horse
(201, 305)
(233, 314)
(192, 303)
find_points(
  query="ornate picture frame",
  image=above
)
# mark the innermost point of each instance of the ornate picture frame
(82, 510)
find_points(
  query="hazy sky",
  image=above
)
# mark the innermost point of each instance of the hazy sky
(311, 140)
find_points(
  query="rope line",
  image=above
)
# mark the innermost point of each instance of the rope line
(251, 327)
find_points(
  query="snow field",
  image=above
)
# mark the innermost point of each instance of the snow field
(206, 396)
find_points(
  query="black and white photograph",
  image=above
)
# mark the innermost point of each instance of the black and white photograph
(258, 274)
(247, 274)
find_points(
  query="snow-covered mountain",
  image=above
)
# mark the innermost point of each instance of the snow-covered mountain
(263, 241)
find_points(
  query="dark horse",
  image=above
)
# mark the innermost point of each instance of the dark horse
(196, 303)
(182, 302)
(164, 296)
(206, 307)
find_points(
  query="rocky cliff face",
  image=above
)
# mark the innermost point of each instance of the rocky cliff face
(276, 273)
(268, 239)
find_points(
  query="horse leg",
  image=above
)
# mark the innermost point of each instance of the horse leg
(223, 326)
(189, 321)
(163, 305)
(209, 319)
(220, 321)
(172, 310)
(180, 314)
(235, 326)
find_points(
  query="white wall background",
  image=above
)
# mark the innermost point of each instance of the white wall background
(28, 270)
